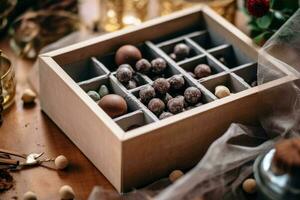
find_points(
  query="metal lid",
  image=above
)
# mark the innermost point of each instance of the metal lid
(275, 186)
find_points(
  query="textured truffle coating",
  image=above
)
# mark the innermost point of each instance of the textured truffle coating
(114, 105)
(143, 66)
(192, 95)
(161, 86)
(166, 98)
(287, 156)
(176, 82)
(131, 84)
(165, 115)
(176, 105)
(202, 71)
(158, 65)
(147, 93)
(124, 74)
(181, 51)
(156, 105)
(127, 54)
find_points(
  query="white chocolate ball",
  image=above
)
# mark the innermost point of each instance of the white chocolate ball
(66, 192)
(175, 175)
(29, 196)
(28, 96)
(222, 91)
(61, 162)
(249, 185)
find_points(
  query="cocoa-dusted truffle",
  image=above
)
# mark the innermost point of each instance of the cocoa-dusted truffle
(176, 105)
(161, 86)
(158, 65)
(143, 66)
(165, 115)
(127, 54)
(176, 82)
(166, 98)
(202, 70)
(185, 104)
(131, 84)
(124, 74)
(147, 93)
(192, 95)
(156, 105)
(127, 66)
(181, 51)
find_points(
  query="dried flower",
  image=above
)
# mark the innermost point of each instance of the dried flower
(258, 8)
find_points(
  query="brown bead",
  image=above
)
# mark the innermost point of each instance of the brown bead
(161, 86)
(202, 71)
(114, 105)
(127, 54)
(192, 95)
(156, 105)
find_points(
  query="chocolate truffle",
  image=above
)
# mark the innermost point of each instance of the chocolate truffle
(127, 54)
(184, 102)
(192, 95)
(143, 66)
(181, 51)
(114, 105)
(156, 105)
(202, 71)
(222, 91)
(176, 82)
(165, 115)
(161, 86)
(131, 84)
(173, 56)
(127, 66)
(146, 94)
(158, 65)
(124, 74)
(176, 105)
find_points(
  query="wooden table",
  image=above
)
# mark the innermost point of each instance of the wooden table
(29, 130)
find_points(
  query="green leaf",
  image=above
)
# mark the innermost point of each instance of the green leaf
(264, 22)
(261, 38)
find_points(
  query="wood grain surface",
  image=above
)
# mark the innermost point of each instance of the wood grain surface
(26, 130)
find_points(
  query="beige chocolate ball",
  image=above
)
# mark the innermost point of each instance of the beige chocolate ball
(249, 185)
(175, 175)
(61, 162)
(66, 192)
(29, 196)
(222, 91)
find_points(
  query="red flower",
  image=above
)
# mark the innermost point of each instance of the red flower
(258, 8)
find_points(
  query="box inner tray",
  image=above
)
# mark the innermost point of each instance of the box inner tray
(230, 67)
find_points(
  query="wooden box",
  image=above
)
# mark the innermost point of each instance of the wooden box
(131, 159)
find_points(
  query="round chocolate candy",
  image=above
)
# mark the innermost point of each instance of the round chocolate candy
(161, 86)
(165, 115)
(114, 105)
(124, 74)
(146, 94)
(158, 65)
(192, 95)
(156, 105)
(127, 54)
(143, 66)
(176, 105)
(181, 51)
(202, 71)
(176, 82)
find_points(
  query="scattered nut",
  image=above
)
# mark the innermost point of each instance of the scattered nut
(249, 185)
(175, 175)
(94, 95)
(66, 192)
(61, 162)
(28, 96)
(29, 196)
(222, 91)
(103, 90)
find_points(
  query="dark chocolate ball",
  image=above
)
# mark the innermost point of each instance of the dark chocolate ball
(127, 54)
(185, 104)
(161, 85)
(181, 51)
(156, 106)
(176, 82)
(165, 115)
(176, 105)
(158, 65)
(131, 84)
(166, 98)
(202, 71)
(147, 93)
(192, 95)
(124, 74)
(143, 66)
(127, 66)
